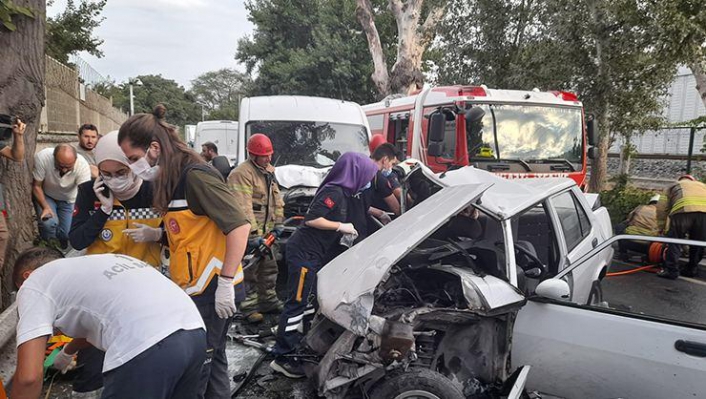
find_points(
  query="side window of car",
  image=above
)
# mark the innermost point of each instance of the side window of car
(572, 218)
(535, 231)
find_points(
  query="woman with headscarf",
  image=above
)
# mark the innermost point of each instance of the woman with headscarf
(326, 224)
(112, 214)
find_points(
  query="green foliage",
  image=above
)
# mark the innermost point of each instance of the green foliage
(181, 105)
(8, 9)
(220, 92)
(72, 31)
(622, 199)
(310, 47)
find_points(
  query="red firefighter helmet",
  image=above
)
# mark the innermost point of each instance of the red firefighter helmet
(260, 145)
(375, 142)
(686, 177)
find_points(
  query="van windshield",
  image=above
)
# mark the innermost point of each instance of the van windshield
(317, 144)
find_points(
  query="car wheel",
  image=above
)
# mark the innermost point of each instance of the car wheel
(595, 298)
(416, 384)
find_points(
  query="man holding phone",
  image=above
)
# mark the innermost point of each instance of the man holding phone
(57, 174)
(10, 127)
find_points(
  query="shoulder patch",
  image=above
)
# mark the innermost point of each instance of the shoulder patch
(329, 202)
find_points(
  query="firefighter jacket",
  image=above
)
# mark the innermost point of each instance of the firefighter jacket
(686, 196)
(103, 234)
(196, 244)
(642, 221)
(258, 196)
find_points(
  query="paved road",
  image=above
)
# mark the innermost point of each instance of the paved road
(683, 299)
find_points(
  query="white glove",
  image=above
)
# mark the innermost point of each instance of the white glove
(347, 228)
(385, 218)
(225, 298)
(64, 362)
(106, 202)
(144, 233)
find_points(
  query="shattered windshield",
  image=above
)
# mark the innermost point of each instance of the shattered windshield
(528, 133)
(317, 144)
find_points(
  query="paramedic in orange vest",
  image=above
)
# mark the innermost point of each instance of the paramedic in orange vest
(206, 230)
(686, 204)
(255, 187)
(119, 220)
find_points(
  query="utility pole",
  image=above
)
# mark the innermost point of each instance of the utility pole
(131, 82)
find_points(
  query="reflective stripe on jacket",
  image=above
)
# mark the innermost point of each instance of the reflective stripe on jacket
(687, 196)
(643, 221)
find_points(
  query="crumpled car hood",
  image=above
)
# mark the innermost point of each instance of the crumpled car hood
(346, 285)
(289, 176)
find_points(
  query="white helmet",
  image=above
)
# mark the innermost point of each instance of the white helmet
(654, 199)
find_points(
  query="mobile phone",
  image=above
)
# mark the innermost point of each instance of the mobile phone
(106, 191)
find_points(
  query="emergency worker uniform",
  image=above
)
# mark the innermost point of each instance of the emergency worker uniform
(307, 250)
(100, 233)
(686, 202)
(642, 221)
(257, 194)
(201, 213)
(381, 188)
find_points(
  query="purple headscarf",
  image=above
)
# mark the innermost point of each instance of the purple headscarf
(351, 172)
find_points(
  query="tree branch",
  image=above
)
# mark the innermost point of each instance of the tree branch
(428, 28)
(364, 13)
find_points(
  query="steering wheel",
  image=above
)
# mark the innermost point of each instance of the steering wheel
(535, 261)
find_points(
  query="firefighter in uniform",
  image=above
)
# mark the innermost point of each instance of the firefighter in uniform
(206, 230)
(117, 221)
(255, 187)
(642, 221)
(686, 204)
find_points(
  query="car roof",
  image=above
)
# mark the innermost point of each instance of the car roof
(303, 108)
(507, 197)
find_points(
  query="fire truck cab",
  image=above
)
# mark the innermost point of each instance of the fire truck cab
(514, 133)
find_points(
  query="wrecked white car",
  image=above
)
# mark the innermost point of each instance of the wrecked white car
(436, 292)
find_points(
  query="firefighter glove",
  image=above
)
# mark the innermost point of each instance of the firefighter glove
(255, 242)
(278, 230)
(225, 298)
(144, 233)
(99, 188)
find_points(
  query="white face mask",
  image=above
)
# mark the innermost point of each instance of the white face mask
(120, 184)
(143, 170)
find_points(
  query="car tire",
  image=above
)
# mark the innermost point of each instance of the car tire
(416, 383)
(595, 298)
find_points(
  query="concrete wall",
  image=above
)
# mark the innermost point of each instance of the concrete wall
(69, 105)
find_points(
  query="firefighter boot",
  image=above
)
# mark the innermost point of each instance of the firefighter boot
(249, 308)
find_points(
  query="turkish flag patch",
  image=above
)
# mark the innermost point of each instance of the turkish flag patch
(329, 202)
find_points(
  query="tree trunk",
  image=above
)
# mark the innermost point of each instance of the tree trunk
(599, 166)
(22, 67)
(699, 70)
(625, 158)
(364, 13)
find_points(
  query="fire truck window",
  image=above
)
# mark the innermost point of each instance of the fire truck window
(376, 122)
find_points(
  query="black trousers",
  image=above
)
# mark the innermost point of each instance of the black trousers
(89, 376)
(686, 225)
(169, 369)
(214, 382)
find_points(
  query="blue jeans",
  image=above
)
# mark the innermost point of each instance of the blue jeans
(56, 227)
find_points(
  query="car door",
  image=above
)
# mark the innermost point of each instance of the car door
(577, 237)
(647, 340)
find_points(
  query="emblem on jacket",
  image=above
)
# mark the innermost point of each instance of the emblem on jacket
(106, 235)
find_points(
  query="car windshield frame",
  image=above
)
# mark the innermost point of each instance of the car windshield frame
(324, 151)
(567, 147)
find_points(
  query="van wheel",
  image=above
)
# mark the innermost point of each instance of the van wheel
(416, 383)
(595, 298)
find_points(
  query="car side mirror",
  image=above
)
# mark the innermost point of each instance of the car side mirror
(591, 130)
(555, 289)
(591, 153)
(437, 125)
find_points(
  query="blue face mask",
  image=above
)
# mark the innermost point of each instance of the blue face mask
(386, 172)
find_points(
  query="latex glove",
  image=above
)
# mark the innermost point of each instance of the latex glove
(106, 202)
(144, 233)
(64, 362)
(225, 298)
(346, 228)
(384, 218)
(47, 214)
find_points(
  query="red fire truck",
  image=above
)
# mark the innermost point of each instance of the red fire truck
(514, 133)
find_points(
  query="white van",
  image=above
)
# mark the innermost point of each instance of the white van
(224, 134)
(308, 134)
